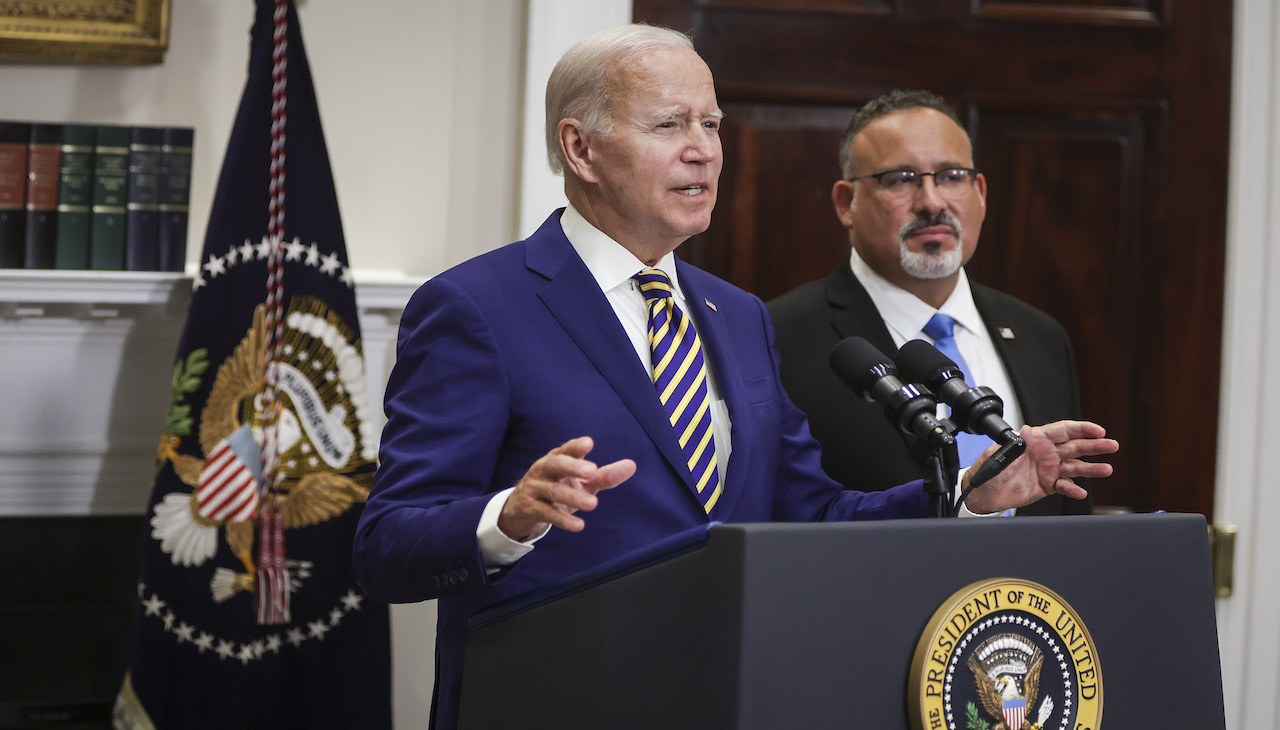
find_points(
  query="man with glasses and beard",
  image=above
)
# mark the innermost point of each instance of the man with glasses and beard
(913, 204)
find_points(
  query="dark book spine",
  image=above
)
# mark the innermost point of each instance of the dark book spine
(42, 195)
(110, 186)
(15, 138)
(75, 197)
(142, 220)
(175, 196)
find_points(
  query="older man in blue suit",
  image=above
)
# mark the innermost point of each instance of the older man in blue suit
(516, 366)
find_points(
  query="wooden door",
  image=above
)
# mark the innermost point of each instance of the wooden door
(1101, 126)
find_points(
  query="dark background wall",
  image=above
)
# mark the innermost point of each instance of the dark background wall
(68, 587)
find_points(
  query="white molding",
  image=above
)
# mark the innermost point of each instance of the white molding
(385, 291)
(88, 287)
(25, 289)
(110, 480)
(1245, 495)
(554, 26)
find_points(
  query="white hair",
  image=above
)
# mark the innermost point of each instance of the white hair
(578, 87)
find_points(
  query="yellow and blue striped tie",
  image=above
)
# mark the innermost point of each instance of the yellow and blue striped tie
(680, 376)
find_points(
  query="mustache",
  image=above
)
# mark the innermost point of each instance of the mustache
(941, 218)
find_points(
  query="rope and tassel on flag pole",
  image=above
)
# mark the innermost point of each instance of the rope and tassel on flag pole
(273, 575)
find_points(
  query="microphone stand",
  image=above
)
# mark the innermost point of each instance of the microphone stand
(939, 461)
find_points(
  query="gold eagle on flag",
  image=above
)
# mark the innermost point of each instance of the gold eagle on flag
(325, 444)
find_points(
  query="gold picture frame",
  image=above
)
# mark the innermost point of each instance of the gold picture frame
(131, 32)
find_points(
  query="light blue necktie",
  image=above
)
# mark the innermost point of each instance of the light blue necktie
(942, 329)
(680, 376)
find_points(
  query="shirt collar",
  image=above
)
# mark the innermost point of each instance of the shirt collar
(609, 262)
(904, 313)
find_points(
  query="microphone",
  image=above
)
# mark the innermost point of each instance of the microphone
(909, 407)
(976, 410)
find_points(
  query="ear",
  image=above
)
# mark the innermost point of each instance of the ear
(980, 182)
(576, 145)
(842, 198)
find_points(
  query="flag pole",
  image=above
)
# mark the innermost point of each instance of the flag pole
(273, 577)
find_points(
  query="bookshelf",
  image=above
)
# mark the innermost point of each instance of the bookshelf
(105, 197)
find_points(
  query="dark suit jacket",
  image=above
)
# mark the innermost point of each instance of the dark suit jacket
(507, 356)
(859, 447)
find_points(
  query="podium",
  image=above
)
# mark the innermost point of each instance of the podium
(767, 626)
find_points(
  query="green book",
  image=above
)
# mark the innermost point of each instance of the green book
(142, 222)
(110, 190)
(75, 197)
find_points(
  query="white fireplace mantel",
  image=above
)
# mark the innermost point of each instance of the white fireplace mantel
(85, 365)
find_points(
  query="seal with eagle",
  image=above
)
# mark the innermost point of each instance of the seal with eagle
(1001, 697)
(320, 480)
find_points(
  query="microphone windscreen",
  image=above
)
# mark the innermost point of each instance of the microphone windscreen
(919, 362)
(859, 364)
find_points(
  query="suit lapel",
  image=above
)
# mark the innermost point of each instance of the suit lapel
(575, 300)
(853, 312)
(1012, 351)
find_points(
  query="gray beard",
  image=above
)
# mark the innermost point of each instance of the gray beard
(930, 264)
(925, 265)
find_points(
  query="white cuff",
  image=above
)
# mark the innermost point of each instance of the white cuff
(964, 509)
(497, 549)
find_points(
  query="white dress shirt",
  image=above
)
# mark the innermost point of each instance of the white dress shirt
(905, 316)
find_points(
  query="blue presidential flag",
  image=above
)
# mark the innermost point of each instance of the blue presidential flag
(249, 615)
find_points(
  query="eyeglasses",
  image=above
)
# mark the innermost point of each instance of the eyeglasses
(951, 182)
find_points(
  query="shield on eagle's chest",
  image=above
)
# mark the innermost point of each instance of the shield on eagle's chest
(1015, 713)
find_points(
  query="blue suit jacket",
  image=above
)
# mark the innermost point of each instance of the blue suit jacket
(511, 354)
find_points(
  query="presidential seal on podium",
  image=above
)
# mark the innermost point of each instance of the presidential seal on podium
(1005, 654)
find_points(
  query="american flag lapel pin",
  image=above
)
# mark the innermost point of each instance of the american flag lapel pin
(1006, 333)
(710, 304)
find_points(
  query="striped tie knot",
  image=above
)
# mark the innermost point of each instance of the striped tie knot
(654, 285)
(680, 377)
